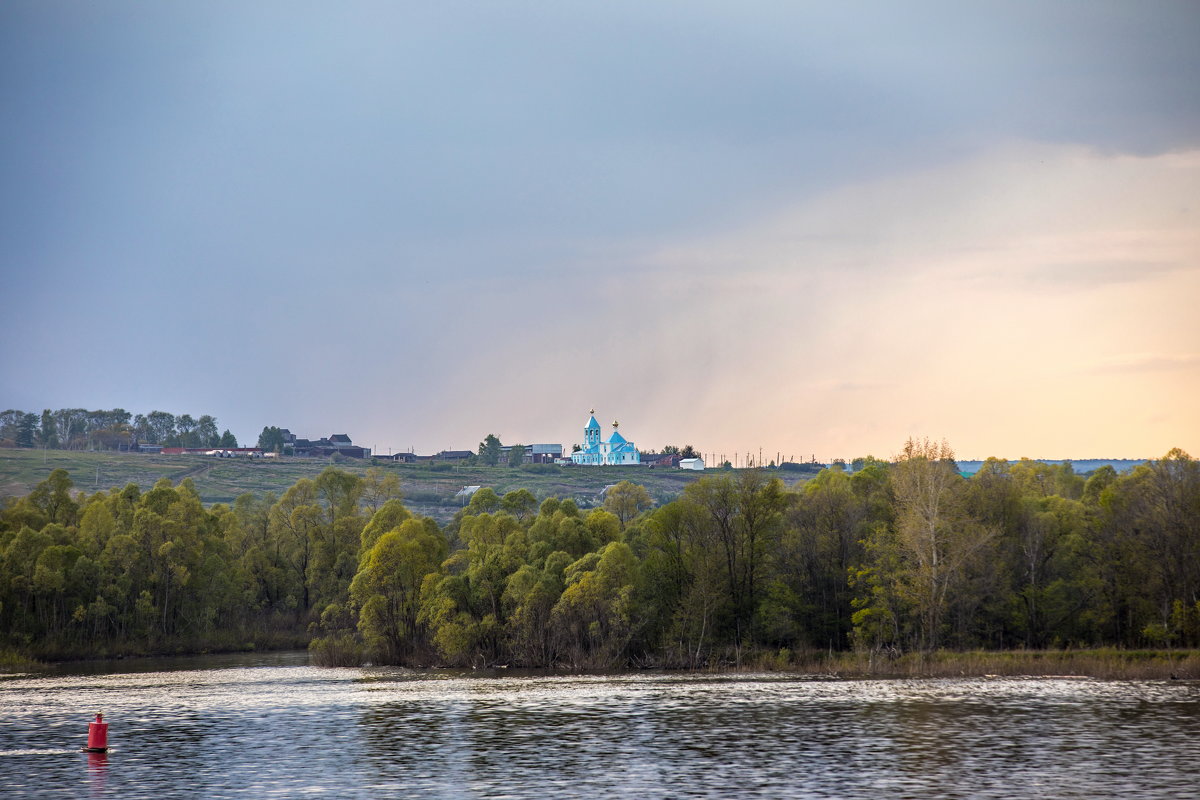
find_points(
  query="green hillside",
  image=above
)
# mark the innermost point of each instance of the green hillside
(429, 488)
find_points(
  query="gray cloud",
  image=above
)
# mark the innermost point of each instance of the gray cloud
(230, 192)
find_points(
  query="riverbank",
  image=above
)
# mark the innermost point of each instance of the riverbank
(1103, 663)
(35, 658)
(12, 660)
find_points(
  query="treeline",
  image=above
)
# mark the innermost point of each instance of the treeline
(906, 555)
(114, 429)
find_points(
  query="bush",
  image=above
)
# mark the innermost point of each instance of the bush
(336, 650)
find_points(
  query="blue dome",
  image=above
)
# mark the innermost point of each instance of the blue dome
(616, 438)
(592, 424)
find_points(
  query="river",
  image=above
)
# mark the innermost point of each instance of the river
(270, 725)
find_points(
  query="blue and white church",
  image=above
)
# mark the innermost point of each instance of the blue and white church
(614, 450)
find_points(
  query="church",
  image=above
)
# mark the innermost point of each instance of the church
(616, 449)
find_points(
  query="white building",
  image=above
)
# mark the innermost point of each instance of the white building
(614, 450)
(691, 463)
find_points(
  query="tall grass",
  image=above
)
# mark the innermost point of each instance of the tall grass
(12, 660)
(1103, 663)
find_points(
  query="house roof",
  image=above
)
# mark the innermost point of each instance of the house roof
(616, 438)
(592, 424)
(340, 437)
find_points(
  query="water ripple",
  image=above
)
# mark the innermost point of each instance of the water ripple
(220, 728)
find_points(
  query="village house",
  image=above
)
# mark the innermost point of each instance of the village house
(337, 444)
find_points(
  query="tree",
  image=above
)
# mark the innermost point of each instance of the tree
(271, 440)
(161, 425)
(594, 616)
(70, 424)
(10, 421)
(688, 452)
(295, 522)
(489, 450)
(379, 487)
(27, 430)
(516, 455)
(822, 541)
(627, 500)
(520, 503)
(206, 432)
(186, 428)
(48, 432)
(53, 497)
(387, 589)
(228, 440)
(741, 517)
(484, 501)
(925, 562)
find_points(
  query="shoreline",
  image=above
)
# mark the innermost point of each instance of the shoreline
(1096, 664)
(1100, 663)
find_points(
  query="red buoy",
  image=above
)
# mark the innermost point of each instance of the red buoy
(97, 735)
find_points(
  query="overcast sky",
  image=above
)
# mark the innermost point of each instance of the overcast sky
(814, 230)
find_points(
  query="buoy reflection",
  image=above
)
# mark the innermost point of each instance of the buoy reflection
(97, 772)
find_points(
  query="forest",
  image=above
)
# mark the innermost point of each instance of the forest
(108, 429)
(906, 555)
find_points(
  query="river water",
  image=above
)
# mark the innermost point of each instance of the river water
(273, 726)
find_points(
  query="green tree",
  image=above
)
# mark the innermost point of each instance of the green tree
(742, 518)
(380, 486)
(594, 618)
(922, 567)
(519, 503)
(489, 450)
(228, 440)
(484, 501)
(206, 432)
(70, 424)
(270, 440)
(626, 500)
(53, 498)
(387, 588)
(47, 435)
(295, 522)
(27, 430)
(161, 426)
(516, 455)
(830, 517)
(186, 430)
(10, 421)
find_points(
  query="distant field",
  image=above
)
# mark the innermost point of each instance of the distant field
(1082, 466)
(429, 489)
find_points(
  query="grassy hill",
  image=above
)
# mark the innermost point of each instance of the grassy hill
(428, 488)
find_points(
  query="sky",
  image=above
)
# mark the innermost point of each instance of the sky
(813, 229)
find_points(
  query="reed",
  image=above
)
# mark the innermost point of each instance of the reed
(12, 660)
(1103, 663)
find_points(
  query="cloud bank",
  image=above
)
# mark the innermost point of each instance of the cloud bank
(808, 229)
